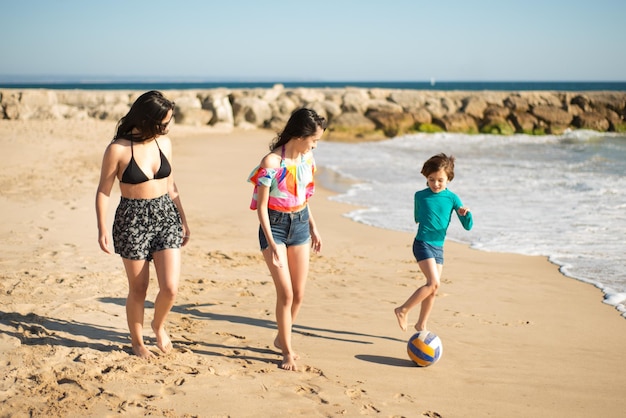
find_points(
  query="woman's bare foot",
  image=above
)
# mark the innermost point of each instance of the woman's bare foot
(141, 351)
(402, 319)
(163, 340)
(289, 363)
(277, 345)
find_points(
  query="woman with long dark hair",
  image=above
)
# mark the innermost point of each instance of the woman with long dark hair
(149, 221)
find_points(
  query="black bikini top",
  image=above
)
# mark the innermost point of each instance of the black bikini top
(134, 175)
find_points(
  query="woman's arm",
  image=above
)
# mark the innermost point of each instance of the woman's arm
(108, 173)
(172, 190)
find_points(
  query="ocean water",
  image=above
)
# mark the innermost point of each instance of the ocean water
(563, 197)
(140, 84)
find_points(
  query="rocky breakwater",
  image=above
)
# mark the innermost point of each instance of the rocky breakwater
(353, 113)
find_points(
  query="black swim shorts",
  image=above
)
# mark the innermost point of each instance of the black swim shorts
(145, 226)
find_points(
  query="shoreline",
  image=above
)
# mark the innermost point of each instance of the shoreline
(337, 184)
(510, 324)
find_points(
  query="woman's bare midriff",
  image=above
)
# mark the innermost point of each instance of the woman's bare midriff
(147, 190)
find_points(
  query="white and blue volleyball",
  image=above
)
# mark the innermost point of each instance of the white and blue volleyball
(424, 348)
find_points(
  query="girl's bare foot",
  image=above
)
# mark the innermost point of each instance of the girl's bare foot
(163, 340)
(141, 351)
(289, 363)
(277, 345)
(402, 319)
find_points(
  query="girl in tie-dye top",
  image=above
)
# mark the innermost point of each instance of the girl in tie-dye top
(283, 184)
(291, 186)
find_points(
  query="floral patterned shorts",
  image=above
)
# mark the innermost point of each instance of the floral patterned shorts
(145, 226)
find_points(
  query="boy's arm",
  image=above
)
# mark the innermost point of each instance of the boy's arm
(465, 216)
(415, 208)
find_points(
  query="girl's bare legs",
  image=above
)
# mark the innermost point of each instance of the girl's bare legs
(424, 295)
(290, 281)
(138, 272)
(167, 266)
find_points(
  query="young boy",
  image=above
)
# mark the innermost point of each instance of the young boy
(433, 212)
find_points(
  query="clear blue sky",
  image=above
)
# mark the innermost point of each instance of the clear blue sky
(324, 40)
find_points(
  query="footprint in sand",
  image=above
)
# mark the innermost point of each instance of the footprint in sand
(355, 393)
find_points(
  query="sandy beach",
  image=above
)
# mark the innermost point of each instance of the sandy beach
(520, 339)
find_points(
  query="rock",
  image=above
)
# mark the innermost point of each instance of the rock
(251, 110)
(350, 125)
(10, 104)
(497, 125)
(608, 100)
(38, 98)
(277, 123)
(574, 109)
(392, 123)
(222, 111)
(355, 101)
(459, 122)
(582, 102)
(493, 98)
(556, 129)
(430, 128)
(552, 115)
(610, 115)
(421, 116)
(187, 102)
(591, 120)
(383, 106)
(542, 98)
(436, 108)
(327, 109)
(309, 95)
(32, 104)
(194, 116)
(380, 94)
(474, 106)
(408, 99)
(524, 122)
(517, 103)
(271, 95)
(354, 112)
(496, 111)
(109, 112)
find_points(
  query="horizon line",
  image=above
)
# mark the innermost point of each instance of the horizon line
(74, 79)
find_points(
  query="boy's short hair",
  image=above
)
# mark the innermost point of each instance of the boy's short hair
(438, 162)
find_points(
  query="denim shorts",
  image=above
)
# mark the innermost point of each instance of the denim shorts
(145, 226)
(288, 228)
(423, 250)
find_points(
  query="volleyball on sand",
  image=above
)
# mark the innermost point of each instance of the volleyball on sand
(424, 348)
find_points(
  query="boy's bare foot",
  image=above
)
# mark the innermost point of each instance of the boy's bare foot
(419, 327)
(163, 340)
(277, 345)
(402, 319)
(289, 363)
(141, 351)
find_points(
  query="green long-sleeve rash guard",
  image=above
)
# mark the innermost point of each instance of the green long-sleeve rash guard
(433, 212)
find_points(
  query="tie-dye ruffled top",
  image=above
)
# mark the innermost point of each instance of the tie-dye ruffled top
(290, 186)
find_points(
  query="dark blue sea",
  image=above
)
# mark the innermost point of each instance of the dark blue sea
(408, 85)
